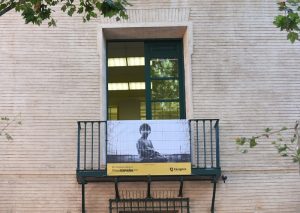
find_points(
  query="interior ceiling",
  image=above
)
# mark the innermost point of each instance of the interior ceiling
(144, 32)
(125, 49)
(126, 73)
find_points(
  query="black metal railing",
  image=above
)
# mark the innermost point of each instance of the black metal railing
(92, 144)
(204, 134)
(149, 205)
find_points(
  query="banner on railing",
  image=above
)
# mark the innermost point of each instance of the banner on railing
(148, 147)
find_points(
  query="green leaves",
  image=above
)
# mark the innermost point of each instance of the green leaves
(293, 2)
(296, 157)
(3, 5)
(286, 145)
(280, 22)
(248, 142)
(287, 22)
(252, 142)
(8, 137)
(52, 22)
(281, 6)
(282, 149)
(292, 36)
(240, 141)
(290, 20)
(37, 11)
(4, 118)
(268, 129)
(284, 128)
(71, 11)
(116, 8)
(6, 123)
(93, 8)
(64, 8)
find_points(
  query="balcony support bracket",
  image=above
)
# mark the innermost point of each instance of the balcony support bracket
(149, 187)
(117, 188)
(212, 209)
(180, 194)
(83, 197)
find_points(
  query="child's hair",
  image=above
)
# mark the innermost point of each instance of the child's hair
(145, 126)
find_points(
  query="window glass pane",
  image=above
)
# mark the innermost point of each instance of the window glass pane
(164, 68)
(165, 89)
(126, 80)
(165, 110)
(143, 110)
(143, 80)
(113, 113)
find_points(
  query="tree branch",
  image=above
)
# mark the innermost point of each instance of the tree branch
(8, 8)
(7, 125)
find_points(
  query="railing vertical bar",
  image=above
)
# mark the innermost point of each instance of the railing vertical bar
(204, 143)
(159, 205)
(84, 146)
(83, 197)
(181, 206)
(217, 145)
(197, 138)
(117, 202)
(152, 206)
(99, 144)
(106, 144)
(110, 206)
(211, 145)
(92, 157)
(174, 205)
(191, 144)
(78, 145)
(167, 205)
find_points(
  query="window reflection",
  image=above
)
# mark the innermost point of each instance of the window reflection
(165, 110)
(164, 68)
(165, 89)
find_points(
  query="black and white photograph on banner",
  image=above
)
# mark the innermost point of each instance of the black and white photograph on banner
(148, 141)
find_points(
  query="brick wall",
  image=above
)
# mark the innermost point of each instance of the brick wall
(243, 72)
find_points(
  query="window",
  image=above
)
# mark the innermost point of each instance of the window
(145, 80)
(113, 112)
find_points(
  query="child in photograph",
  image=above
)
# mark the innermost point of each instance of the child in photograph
(145, 147)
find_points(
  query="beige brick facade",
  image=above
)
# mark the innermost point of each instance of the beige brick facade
(242, 71)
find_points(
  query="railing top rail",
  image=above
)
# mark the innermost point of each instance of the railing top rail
(194, 119)
(91, 121)
(92, 140)
(216, 124)
(204, 119)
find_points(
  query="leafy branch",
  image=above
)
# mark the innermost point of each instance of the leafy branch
(37, 11)
(6, 123)
(289, 21)
(286, 146)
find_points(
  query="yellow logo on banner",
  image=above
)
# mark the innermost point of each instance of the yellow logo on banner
(136, 169)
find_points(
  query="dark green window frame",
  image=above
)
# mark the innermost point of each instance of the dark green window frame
(164, 49)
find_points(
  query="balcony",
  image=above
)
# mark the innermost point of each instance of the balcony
(92, 143)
